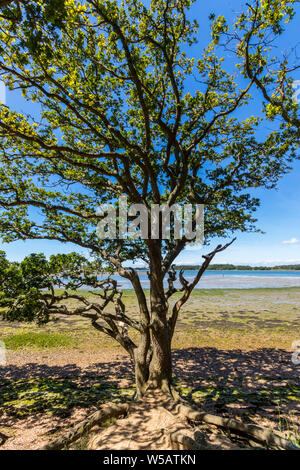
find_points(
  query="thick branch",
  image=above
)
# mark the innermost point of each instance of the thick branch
(188, 288)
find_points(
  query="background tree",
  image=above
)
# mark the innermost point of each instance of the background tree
(113, 116)
(27, 289)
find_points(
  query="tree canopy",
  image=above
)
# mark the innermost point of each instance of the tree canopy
(114, 117)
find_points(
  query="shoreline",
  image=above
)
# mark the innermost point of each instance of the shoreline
(231, 279)
(217, 289)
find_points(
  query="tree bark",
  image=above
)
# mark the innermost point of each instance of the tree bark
(153, 371)
(160, 368)
(141, 365)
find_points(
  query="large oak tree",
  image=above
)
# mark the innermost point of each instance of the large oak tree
(126, 103)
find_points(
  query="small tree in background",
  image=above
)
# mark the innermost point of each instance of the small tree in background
(28, 289)
(113, 116)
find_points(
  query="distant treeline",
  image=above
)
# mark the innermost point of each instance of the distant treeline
(232, 267)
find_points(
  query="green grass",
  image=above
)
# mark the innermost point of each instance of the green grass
(224, 395)
(38, 340)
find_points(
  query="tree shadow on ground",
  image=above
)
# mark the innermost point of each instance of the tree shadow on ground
(262, 382)
(208, 363)
(231, 382)
(57, 390)
(112, 369)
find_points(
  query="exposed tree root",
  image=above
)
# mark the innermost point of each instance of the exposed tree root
(174, 431)
(109, 411)
(181, 442)
(263, 435)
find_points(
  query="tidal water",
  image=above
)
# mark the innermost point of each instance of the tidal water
(230, 279)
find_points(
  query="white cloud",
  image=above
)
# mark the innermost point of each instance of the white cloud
(290, 242)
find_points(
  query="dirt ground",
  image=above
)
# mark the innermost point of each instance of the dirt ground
(261, 386)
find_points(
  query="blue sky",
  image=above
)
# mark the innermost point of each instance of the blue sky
(278, 215)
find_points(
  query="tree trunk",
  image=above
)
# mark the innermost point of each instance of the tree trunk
(154, 372)
(141, 365)
(160, 368)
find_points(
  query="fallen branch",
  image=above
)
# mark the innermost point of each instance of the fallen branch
(81, 428)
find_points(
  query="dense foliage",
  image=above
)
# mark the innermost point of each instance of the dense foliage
(27, 289)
